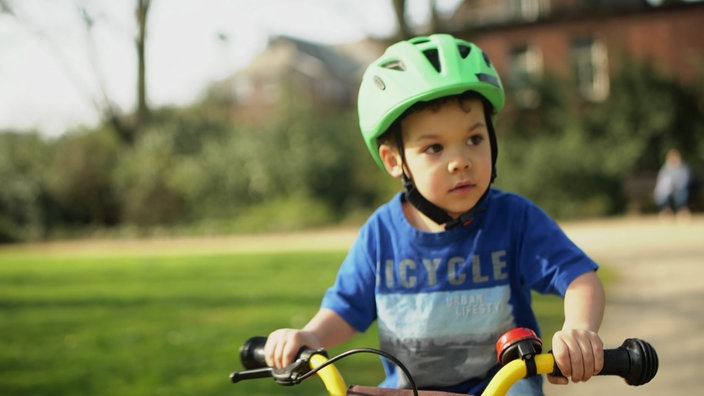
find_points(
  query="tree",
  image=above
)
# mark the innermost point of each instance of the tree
(111, 115)
(142, 13)
(404, 29)
(125, 127)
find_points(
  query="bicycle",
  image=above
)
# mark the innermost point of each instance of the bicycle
(519, 351)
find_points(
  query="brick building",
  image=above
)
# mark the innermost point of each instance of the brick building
(584, 40)
(324, 76)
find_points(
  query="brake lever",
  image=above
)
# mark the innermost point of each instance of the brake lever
(296, 372)
(292, 374)
(238, 376)
(287, 376)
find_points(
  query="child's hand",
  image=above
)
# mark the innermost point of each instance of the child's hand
(578, 353)
(282, 346)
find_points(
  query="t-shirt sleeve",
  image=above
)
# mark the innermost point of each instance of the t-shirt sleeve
(352, 294)
(550, 261)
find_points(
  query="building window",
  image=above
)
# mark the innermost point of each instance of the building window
(528, 10)
(590, 68)
(525, 68)
(251, 89)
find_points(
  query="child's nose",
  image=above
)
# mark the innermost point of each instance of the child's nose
(459, 162)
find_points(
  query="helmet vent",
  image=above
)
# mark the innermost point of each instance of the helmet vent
(394, 65)
(433, 58)
(486, 59)
(379, 83)
(488, 78)
(464, 50)
(419, 40)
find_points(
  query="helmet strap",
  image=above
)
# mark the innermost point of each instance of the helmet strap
(492, 139)
(434, 212)
(429, 209)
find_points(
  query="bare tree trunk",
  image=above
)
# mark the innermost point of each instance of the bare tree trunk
(142, 107)
(109, 112)
(404, 31)
(435, 21)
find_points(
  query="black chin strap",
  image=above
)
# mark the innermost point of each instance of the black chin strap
(415, 198)
(434, 212)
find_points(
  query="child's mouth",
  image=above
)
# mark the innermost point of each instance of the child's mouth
(462, 187)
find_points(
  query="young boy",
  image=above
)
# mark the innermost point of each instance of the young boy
(448, 265)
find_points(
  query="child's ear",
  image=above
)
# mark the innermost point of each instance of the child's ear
(391, 159)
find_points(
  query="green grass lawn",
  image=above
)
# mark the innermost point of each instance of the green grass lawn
(162, 325)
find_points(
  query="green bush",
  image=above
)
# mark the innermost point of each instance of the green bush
(79, 180)
(142, 180)
(23, 163)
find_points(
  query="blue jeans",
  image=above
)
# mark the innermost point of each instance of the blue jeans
(531, 386)
(676, 200)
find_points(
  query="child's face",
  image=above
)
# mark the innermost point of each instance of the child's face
(448, 154)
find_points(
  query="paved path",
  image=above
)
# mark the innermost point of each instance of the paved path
(658, 296)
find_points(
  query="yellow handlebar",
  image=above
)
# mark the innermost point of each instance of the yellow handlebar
(516, 370)
(330, 376)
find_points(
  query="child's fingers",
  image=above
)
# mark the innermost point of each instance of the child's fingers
(558, 380)
(290, 349)
(582, 358)
(278, 346)
(578, 354)
(598, 348)
(270, 349)
(591, 352)
(561, 353)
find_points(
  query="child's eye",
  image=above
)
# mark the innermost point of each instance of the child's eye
(433, 148)
(475, 140)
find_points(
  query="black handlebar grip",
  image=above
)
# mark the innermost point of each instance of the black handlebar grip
(635, 360)
(252, 353)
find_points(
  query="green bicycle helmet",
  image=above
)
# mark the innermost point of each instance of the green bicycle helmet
(421, 69)
(418, 70)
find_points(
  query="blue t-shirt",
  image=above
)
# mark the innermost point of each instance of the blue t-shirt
(441, 300)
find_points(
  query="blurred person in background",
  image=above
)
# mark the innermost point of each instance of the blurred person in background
(672, 186)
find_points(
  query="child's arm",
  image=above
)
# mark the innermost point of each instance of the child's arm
(578, 350)
(325, 330)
